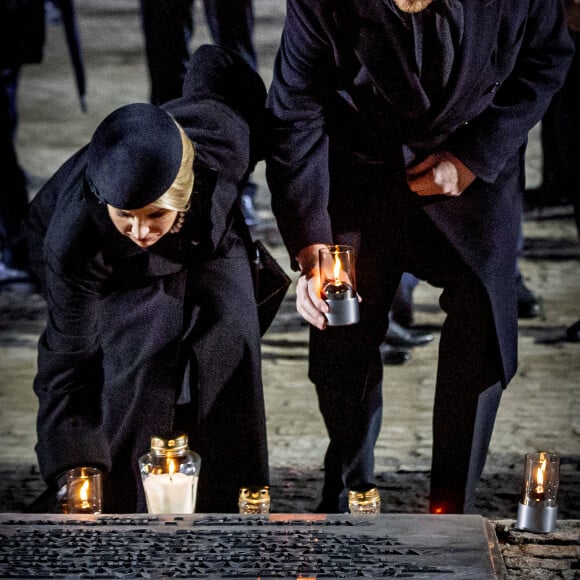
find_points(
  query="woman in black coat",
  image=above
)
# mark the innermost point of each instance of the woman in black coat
(152, 322)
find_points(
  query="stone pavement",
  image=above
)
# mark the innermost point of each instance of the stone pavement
(540, 409)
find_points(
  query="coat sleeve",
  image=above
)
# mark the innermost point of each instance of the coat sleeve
(535, 72)
(68, 381)
(42, 208)
(297, 163)
(69, 378)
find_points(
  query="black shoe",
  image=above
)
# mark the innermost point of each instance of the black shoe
(543, 196)
(534, 197)
(398, 335)
(391, 355)
(528, 304)
(573, 332)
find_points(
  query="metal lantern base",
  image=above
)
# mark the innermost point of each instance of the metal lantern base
(342, 312)
(539, 519)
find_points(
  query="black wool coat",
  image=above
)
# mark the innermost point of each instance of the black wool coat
(131, 331)
(345, 80)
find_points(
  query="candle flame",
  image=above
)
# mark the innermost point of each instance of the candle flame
(171, 469)
(84, 491)
(337, 268)
(540, 476)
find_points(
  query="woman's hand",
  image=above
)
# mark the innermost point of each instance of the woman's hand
(440, 174)
(309, 302)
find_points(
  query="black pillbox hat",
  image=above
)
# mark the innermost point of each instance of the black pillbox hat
(134, 156)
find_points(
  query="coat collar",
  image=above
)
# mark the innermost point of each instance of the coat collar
(482, 20)
(378, 42)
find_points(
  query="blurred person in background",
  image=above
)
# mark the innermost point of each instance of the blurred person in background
(559, 131)
(22, 34)
(169, 27)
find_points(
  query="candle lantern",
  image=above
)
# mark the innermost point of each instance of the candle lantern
(364, 499)
(84, 491)
(170, 472)
(337, 275)
(254, 500)
(537, 509)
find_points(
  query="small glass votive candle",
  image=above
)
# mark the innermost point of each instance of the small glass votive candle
(337, 276)
(364, 499)
(254, 500)
(538, 509)
(84, 491)
(170, 473)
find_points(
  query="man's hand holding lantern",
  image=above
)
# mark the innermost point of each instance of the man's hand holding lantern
(309, 302)
(326, 291)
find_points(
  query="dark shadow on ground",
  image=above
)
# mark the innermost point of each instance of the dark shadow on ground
(295, 490)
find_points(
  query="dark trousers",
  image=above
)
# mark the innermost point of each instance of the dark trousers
(559, 135)
(14, 195)
(346, 367)
(402, 307)
(168, 27)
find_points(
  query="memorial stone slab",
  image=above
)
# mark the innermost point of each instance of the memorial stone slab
(231, 546)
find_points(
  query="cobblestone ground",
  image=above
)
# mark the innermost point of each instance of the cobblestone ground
(540, 410)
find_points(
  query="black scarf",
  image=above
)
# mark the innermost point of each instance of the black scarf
(435, 34)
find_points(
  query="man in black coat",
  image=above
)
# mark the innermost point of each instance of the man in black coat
(146, 336)
(400, 129)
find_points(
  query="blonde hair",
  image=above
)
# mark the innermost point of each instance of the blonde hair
(178, 196)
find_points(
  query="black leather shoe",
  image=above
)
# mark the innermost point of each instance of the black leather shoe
(391, 355)
(398, 335)
(544, 196)
(573, 332)
(528, 304)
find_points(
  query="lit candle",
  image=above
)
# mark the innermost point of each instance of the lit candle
(84, 496)
(338, 285)
(337, 289)
(170, 493)
(538, 489)
(170, 472)
(84, 491)
(537, 509)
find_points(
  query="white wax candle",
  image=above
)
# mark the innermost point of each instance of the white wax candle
(170, 494)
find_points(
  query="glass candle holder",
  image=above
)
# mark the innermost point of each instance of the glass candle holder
(254, 500)
(538, 508)
(170, 472)
(337, 276)
(84, 491)
(364, 499)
